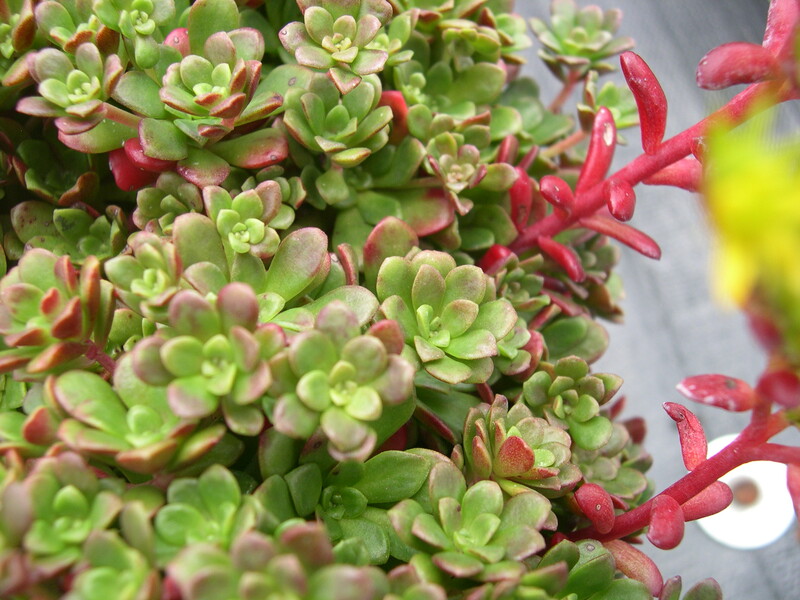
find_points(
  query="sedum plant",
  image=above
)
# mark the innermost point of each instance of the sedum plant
(301, 299)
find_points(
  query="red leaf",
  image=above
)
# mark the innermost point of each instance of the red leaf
(507, 149)
(694, 445)
(514, 458)
(666, 523)
(521, 196)
(395, 100)
(719, 390)
(685, 174)
(636, 564)
(564, 256)
(782, 20)
(602, 143)
(494, 259)
(650, 99)
(597, 505)
(620, 199)
(631, 237)
(781, 386)
(390, 334)
(179, 39)
(40, 427)
(710, 501)
(793, 484)
(127, 175)
(134, 151)
(557, 192)
(735, 63)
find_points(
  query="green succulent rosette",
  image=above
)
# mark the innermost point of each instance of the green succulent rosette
(148, 278)
(208, 509)
(581, 571)
(52, 511)
(70, 23)
(79, 233)
(517, 450)
(212, 357)
(247, 222)
(130, 423)
(17, 34)
(568, 396)
(579, 39)
(619, 466)
(297, 563)
(112, 569)
(158, 205)
(348, 128)
(139, 22)
(448, 314)
(52, 317)
(334, 37)
(335, 378)
(471, 533)
(73, 89)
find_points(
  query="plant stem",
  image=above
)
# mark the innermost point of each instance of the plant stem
(93, 352)
(558, 102)
(123, 117)
(588, 202)
(568, 142)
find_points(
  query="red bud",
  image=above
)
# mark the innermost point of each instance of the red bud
(685, 174)
(735, 63)
(719, 390)
(557, 192)
(694, 445)
(620, 199)
(631, 237)
(601, 150)
(597, 505)
(666, 523)
(564, 256)
(710, 501)
(650, 99)
(780, 386)
(636, 564)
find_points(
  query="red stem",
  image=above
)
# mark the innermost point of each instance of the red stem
(589, 201)
(93, 352)
(572, 79)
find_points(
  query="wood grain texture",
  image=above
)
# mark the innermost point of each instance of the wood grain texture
(673, 327)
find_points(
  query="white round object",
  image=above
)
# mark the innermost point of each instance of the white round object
(764, 521)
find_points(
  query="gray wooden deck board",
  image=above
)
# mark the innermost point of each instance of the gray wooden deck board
(673, 328)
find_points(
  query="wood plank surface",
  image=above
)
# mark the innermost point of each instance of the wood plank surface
(673, 327)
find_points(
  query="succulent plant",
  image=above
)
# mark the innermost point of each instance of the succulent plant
(334, 37)
(517, 450)
(579, 39)
(335, 378)
(53, 318)
(347, 127)
(212, 356)
(159, 204)
(569, 397)
(52, 512)
(446, 313)
(114, 569)
(472, 532)
(341, 348)
(76, 232)
(298, 563)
